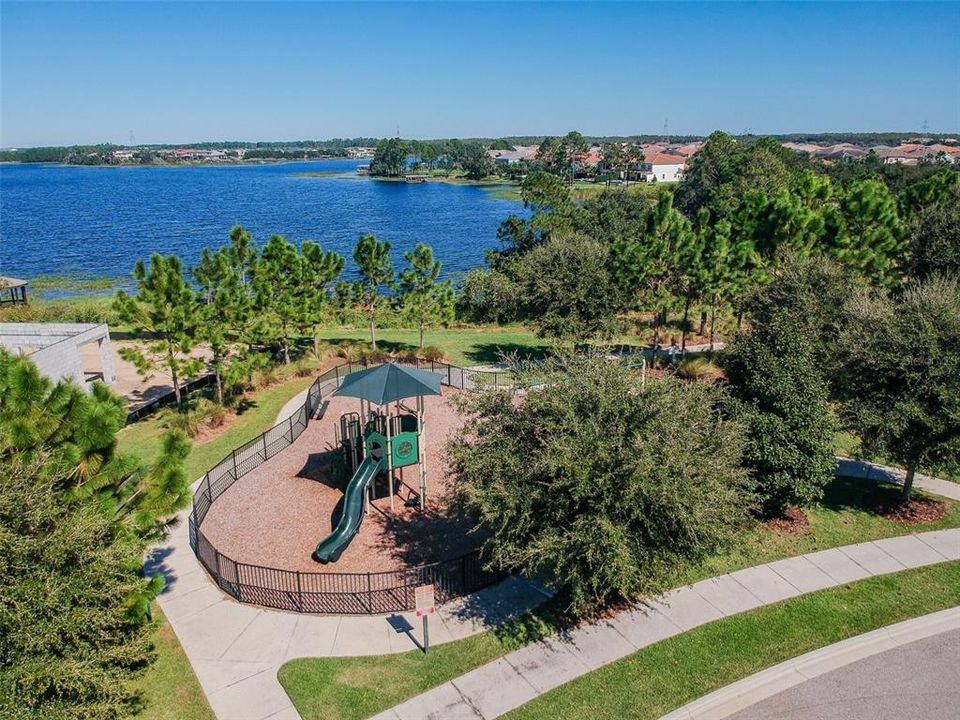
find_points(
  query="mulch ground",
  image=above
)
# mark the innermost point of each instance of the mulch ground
(276, 514)
(915, 511)
(793, 522)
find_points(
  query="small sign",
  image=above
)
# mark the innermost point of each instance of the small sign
(424, 599)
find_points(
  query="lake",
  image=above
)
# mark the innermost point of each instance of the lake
(96, 221)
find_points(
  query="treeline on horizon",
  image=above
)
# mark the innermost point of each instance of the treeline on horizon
(338, 146)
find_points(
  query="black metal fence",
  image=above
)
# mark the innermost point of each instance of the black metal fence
(338, 593)
(169, 398)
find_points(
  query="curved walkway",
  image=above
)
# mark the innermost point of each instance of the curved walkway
(518, 677)
(236, 649)
(910, 671)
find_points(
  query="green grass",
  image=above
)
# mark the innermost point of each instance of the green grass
(142, 439)
(461, 346)
(169, 687)
(673, 672)
(343, 688)
(651, 681)
(843, 517)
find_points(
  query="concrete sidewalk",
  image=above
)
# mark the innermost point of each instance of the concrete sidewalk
(882, 473)
(236, 650)
(520, 676)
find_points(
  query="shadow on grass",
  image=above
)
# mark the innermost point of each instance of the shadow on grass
(489, 353)
(850, 493)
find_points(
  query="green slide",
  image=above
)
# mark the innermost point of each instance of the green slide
(331, 547)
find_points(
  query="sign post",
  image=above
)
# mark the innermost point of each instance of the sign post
(425, 608)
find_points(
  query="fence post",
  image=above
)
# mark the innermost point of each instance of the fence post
(290, 423)
(209, 494)
(264, 436)
(235, 475)
(369, 595)
(299, 593)
(463, 573)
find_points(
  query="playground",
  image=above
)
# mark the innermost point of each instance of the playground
(322, 504)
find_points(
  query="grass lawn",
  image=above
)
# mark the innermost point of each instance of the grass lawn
(169, 688)
(842, 518)
(343, 688)
(142, 439)
(673, 672)
(462, 346)
(358, 687)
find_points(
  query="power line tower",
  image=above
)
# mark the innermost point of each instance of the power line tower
(133, 140)
(666, 131)
(924, 126)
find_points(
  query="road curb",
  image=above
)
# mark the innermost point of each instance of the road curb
(742, 694)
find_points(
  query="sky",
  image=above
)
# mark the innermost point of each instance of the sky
(85, 72)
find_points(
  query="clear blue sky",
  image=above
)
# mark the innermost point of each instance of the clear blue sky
(180, 72)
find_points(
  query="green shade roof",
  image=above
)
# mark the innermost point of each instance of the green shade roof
(385, 383)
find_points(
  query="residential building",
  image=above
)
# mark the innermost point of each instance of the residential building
(661, 167)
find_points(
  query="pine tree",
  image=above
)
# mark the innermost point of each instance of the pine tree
(376, 271)
(424, 300)
(320, 270)
(166, 308)
(280, 293)
(75, 520)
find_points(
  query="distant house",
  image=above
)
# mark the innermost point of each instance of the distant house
(661, 167)
(518, 153)
(913, 154)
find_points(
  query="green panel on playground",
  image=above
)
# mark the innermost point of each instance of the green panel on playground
(379, 442)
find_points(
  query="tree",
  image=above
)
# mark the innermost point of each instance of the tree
(390, 158)
(935, 241)
(648, 265)
(476, 162)
(280, 293)
(488, 296)
(422, 298)
(572, 148)
(568, 290)
(75, 520)
(224, 307)
(871, 238)
(320, 270)
(809, 293)
(376, 272)
(901, 374)
(592, 480)
(166, 308)
(783, 404)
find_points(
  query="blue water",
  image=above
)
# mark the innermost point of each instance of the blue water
(61, 220)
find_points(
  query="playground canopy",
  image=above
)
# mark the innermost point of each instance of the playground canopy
(388, 382)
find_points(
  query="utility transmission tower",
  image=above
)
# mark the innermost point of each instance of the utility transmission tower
(924, 126)
(133, 140)
(666, 131)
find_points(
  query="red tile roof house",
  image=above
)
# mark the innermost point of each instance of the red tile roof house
(661, 167)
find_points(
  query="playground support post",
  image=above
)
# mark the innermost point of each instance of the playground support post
(389, 458)
(423, 454)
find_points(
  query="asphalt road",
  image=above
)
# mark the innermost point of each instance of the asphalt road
(918, 681)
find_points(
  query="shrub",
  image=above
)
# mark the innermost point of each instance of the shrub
(431, 353)
(700, 369)
(599, 485)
